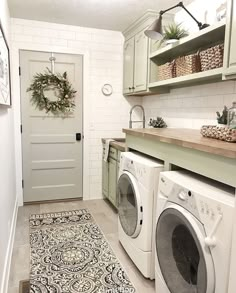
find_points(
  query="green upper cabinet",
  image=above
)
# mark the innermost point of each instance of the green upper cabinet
(128, 82)
(136, 54)
(140, 62)
(135, 64)
(230, 42)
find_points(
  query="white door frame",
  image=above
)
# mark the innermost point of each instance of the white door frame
(15, 61)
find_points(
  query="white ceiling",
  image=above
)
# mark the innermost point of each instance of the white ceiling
(103, 14)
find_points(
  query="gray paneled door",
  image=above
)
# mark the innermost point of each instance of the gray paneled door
(52, 157)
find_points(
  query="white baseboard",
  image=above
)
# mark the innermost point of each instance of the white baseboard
(7, 264)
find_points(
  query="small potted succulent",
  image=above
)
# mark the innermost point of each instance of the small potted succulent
(157, 123)
(174, 32)
(222, 119)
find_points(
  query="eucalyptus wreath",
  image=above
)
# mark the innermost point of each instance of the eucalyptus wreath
(59, 82)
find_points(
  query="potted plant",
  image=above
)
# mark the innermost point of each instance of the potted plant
(222, 119)
(157, 123)
(173, 32)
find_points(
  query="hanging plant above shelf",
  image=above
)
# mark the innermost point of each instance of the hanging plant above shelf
(62, 88)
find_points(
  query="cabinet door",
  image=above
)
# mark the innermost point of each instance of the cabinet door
(105, 178)
(141, 62)
(112, 181)
(230, 42)
(128, 82)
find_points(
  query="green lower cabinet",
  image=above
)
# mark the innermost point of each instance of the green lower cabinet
(112, 181)
(105, 178)
(110, 173)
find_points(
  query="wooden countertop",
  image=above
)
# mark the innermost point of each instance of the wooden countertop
(189, 138)
(118, 143)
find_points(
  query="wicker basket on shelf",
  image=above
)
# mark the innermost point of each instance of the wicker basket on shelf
(166, 71)
(212, 58)
(221, 133)
(188, 64)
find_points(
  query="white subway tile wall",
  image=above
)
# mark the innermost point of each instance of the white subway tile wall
(191, 107)
(108, 115)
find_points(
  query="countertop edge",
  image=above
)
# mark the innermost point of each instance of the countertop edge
(204, 147)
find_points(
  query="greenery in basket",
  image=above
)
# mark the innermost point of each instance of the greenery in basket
(174, 31)
(157, 123)
(222, 118)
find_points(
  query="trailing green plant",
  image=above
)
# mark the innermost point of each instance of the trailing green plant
(174, 31)
(222, 118)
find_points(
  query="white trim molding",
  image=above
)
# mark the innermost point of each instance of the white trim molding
(7, 263)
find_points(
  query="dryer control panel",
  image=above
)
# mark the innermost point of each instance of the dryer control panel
(205, 208)
(179, 195)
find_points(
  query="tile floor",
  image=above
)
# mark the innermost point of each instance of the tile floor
(106, 218)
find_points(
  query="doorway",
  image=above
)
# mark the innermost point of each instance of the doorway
(52, 145)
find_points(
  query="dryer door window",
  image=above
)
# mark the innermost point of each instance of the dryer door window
(129, 205)
(180, 254)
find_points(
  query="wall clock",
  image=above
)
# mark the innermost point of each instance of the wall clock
(107, 89)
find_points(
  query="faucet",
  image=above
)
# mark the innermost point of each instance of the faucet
(130, 116)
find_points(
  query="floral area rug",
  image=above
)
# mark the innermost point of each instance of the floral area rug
(70, 254)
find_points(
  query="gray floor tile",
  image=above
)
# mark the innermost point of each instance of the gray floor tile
(22, 234)
(13, 290)
(61, 206)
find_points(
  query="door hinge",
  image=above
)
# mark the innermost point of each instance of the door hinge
(21, 128)
(22, 183)
(19, 70)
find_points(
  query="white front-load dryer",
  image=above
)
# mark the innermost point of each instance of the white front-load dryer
(137, 190)
(193, 234)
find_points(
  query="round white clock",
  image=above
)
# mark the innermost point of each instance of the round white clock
(107, 89)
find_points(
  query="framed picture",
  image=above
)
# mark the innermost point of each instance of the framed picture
(5, 82)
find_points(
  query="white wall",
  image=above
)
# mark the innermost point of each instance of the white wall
(191, 107)
(204, 11)
(104, 116)
(7, 172)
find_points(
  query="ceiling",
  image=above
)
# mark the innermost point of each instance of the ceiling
(102, 14)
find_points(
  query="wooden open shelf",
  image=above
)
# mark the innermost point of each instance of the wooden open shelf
(210, 36)
(191, 79)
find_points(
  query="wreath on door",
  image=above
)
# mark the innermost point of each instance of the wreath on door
(62, 88)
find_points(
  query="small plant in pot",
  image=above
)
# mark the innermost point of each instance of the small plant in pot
(157, 123)
(174, 32)
(222, 119)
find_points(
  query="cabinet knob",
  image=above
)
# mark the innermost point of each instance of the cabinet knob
(130, 88)
(133, 88)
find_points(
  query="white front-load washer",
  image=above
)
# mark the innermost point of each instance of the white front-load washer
(137, 191)
(193, 234)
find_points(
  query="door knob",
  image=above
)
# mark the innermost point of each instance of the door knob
(78, 136)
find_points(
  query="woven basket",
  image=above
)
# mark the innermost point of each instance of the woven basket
(221, 133)
(188, 64)
(167, 71)
(212, 58)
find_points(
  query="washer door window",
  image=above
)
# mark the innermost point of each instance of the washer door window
(182, 257)
(129, 207)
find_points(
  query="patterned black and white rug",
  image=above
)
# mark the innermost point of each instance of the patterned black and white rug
(70, 254)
